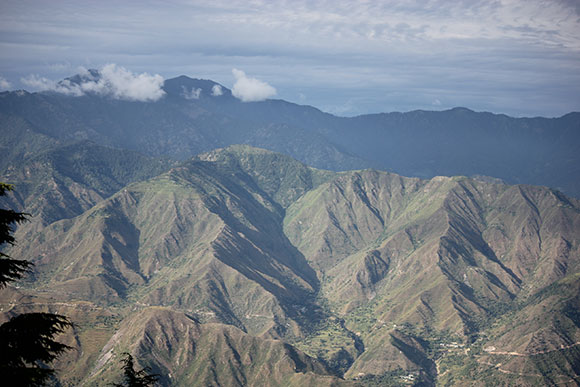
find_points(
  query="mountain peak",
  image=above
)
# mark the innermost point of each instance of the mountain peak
(193, 88)
(90, 75)
(461, 109)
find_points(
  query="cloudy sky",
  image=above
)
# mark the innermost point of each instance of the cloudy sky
(352, 57)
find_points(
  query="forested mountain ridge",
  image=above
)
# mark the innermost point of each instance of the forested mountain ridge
(190, 120)
(243, 262)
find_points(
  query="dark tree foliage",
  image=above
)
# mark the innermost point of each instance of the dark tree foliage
(26, 343)
(134, 378)
(26, 340)
(10, 269)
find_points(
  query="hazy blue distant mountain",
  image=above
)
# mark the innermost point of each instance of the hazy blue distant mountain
(462, 142)
(176, 126)
(199, 115)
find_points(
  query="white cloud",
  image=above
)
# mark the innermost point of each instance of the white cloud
(216, 90)
(436, 102)
(120, 83)
(112, 80)
(39, 83)
(4, 84)
(250, 89)
(190, 94)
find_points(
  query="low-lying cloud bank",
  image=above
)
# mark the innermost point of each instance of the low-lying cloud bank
(111, 80)
(250, 89)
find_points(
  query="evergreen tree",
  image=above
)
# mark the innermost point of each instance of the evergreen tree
(134, 378)
(26, 340)
(10, 269)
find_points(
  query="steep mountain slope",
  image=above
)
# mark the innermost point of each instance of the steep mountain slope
(536, 343)
(193, 238)
(379, 277)
(187, 353)
(59, 174)
(441, 258)
(66, 180)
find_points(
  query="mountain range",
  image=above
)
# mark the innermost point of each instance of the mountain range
(539, 151)
(244, 266)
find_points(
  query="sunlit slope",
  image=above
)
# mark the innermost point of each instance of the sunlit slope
(67, 180)
(434, 258)
(188, 353)
(200, 238)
